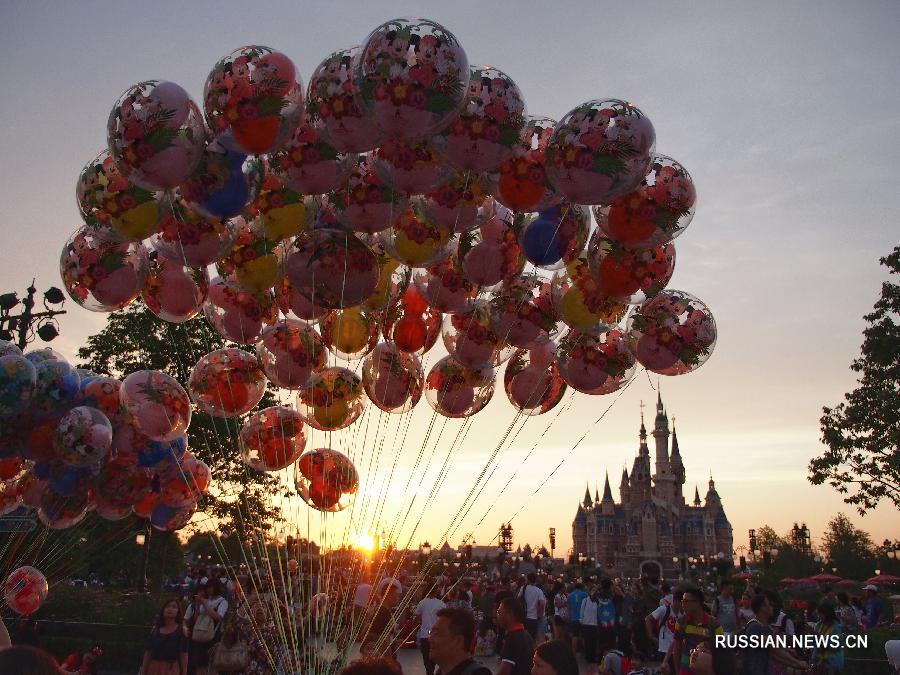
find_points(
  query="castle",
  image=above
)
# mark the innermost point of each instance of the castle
(652, 530)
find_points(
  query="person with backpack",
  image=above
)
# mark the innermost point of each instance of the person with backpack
(203, 619)
(535, 603)
(660, 625)
(758, 660)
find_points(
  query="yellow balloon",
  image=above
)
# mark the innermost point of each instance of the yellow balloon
(258, 274)
(138, 223)
(351, 331)
(333, 414)
(284, 221)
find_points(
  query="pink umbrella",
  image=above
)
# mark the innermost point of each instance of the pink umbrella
(825, 578)
(883, 580)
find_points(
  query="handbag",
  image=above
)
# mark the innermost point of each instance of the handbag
(231, 658)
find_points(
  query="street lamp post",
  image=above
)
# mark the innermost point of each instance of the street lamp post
(143, 540)
(19, 328)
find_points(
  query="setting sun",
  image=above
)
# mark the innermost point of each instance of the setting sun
(365, 542)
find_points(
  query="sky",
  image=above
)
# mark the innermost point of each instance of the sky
(787, 115)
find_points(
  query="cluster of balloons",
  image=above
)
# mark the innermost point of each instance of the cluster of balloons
(72, 441)
(402, 197)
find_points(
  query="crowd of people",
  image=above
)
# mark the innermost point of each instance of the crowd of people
(223, 621)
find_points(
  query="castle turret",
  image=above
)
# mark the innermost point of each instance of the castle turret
(661, 436)
(607, 505)
(697, 496)
(712, 497)
(675, 461)
(588, 502)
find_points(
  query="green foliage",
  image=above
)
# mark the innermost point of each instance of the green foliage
(848, 548)
(134, 339)
(862, 434)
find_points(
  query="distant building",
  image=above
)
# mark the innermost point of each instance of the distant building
(651, 524)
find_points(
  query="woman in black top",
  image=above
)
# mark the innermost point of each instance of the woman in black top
(167, 648)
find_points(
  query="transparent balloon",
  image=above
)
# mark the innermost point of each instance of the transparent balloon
(532, 381)
(114, 207)
(83, 436)
(332, 102)
(171, 518)
(552, 238)
(410, 167)
(121, 483)
(445, 288)
(522, 312)
(460, 204)
(393, 278)
(18, 379)
(411, 324)
(579, 301)
(326, 479)
(193, 240)
(156, 134)
(632, 275)
(411, 76)
(491, 255)
(186, 486)
(173, 292)
(393, 379)
(600, 151)
(236, 314)
(272, 439)
(56, 388)
(156, 404)
(456, 391)
(596, 364)
(293, 304)
(521, 182)
(99, 274)
(332, 268)
(672, 333)
(223, 183)
(133, 447)
(102, 392)
(290, 352)
(253, 99)
(471, 339)
(254, 262)
(279, 212)
(59, 512)
(333, 399)
(490, 126)
(416, 241)
(310, 164)
(25, 590)
(227, 382)
(364, 202)
(658, 210)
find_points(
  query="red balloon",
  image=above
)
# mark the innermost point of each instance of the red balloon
(25, 590)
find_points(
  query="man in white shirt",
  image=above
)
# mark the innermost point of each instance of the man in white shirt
(535, 604)
(661, 626)
(426, 615)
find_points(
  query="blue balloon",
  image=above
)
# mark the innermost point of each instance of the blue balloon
(540, 239)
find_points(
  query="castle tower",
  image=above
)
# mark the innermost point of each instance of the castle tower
(661, 436)
(623, 486)
(607, 505)
(675, 461)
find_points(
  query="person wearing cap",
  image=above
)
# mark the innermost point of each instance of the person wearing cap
(873, 606)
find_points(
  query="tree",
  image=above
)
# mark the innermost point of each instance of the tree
(134, 339)
(862, 434)
(848, 548)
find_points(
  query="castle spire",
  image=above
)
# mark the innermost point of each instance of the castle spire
(696, 496)
(587, 496)
(596, 494)
(624, 482)
(661, 438)
(607, 492)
